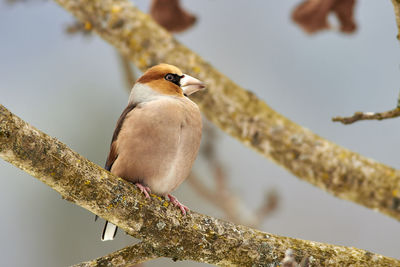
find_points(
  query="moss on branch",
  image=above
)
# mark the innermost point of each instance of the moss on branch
(127, 256)
(241, 114)
(396, 6)
(193, 237)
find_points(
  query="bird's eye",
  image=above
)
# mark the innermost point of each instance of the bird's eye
(173, 78)
(169, 77)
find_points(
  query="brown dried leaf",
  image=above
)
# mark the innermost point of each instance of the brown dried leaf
(344, 10)
(311, 15)
(171, 15)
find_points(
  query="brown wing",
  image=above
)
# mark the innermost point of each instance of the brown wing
(112, 156)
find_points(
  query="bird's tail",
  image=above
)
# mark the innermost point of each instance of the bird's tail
(109, 231)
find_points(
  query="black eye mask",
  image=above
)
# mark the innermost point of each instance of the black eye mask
(174, 78)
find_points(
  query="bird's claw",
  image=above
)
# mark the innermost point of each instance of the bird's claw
(144, 189)
(176, 203)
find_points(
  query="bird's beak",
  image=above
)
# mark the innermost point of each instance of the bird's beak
(191, 85)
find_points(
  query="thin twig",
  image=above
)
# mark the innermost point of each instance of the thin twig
(127, 256)
(231, 205)
(270, 205)
(358, 116)
(129, 74)
(220, 193)
(78, 27)
(398, 101)
(226, 202)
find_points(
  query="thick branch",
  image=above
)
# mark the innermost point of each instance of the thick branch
(241, 114)
(396, 6)
(128, 256)
(193, 237)
(358, 116)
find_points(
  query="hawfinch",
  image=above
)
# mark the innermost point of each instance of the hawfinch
(157, 136)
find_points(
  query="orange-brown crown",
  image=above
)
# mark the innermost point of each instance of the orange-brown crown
(156, 78)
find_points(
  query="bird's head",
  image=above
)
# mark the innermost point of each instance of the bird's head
(169, 80)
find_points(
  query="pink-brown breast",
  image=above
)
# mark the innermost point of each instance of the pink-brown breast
(158, 143)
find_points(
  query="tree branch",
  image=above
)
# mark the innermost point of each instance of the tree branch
(219, 194)
(231, 205)
(129, 74)
(358, 116)
(193, 237)
(240, 113)
(127, 256)
(396, 6)
(228, 203)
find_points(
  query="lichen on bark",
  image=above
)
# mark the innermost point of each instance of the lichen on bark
(193, 237)
(127, 256)
(241, 114)
(396, 6)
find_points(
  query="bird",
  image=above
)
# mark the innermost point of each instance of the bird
(157, 136)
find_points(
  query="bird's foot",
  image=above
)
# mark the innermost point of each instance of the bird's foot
(176, 203)
(144, 189)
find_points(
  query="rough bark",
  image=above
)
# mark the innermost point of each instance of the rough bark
(396, 6)
(128, 256)
(193, 237)
(241, 114)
